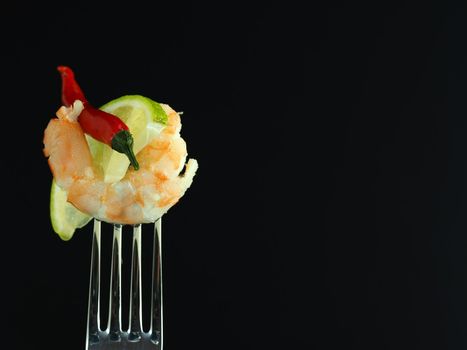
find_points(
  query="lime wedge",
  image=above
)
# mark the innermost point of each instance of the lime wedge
(64, 216)
(154, 110)
(142, 116)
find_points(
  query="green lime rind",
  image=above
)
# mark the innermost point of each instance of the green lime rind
(157, 113)
(64, 217)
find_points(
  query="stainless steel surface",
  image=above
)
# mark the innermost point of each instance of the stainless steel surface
(113, 337)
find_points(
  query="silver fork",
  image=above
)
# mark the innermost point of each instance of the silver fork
(113, 337)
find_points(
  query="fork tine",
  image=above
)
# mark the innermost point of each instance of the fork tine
(156, 294)
(115, 317)
(93, 321)
(135, 289)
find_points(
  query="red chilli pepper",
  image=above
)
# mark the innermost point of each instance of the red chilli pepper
(100, 125)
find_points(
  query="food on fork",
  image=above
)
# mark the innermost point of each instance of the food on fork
(90, 150)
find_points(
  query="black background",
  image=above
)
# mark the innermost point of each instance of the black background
(329, 208)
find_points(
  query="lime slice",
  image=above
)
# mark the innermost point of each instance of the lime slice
(64, 216)
(143, 116)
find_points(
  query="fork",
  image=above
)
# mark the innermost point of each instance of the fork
(113, 337)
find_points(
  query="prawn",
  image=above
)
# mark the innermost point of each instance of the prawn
(141, 196)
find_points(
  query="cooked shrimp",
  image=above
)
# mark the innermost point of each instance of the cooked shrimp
(142, 196)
